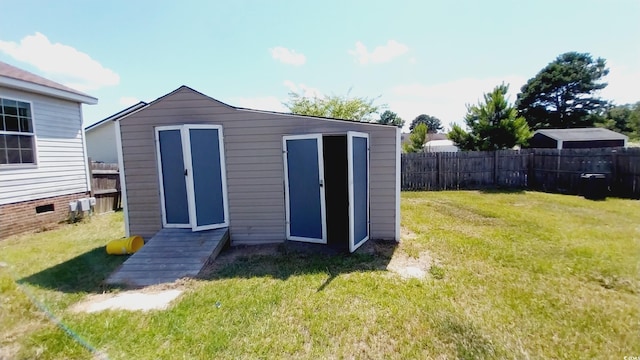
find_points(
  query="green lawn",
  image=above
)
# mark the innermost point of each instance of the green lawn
(519, 275)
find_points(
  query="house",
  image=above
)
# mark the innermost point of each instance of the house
(42, 150)
(577, 138)
(190, 161)
(101, 136)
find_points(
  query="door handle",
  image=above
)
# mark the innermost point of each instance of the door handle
(185, 172)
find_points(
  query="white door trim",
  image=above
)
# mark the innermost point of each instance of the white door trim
(193, 215)
(318, 138)
(350, 136)
(161, 181)
(188, 164)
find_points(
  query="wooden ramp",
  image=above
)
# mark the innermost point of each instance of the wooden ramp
(171, 254)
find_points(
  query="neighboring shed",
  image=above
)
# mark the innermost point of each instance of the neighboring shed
(190, 161)
(440, 146)
(42, 150)
(577, 138)
(101, 136)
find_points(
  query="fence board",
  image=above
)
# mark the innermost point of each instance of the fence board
(105, 186)
(550, 170)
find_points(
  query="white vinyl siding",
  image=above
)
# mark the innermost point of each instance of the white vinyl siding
(101, 143)
(59, 167)
(255, 169)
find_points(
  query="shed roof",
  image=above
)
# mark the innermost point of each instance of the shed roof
(581, 134)
(14, 77)
(184, 87)
(439, 143)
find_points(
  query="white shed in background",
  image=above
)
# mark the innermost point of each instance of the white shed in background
(440, 146)
(101, 136)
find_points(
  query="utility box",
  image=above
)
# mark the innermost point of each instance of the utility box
(594, 186)
(84, 204)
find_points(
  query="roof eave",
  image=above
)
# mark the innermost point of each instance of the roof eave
(311, 116)
(45, 90)
(117, 116)
(555, 136)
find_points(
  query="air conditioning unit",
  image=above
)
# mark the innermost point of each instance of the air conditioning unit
(84, 204)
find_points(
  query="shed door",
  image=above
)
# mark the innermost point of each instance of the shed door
(175, 202)
(358, 169)
(192, 176)
(304, 190)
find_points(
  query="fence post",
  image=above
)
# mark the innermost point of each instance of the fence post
(90, 167)
(438, 155)
(495, 167)
(531, 171)
(614, 171)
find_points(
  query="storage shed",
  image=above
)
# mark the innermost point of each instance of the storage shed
(577, 138)
(190, 161)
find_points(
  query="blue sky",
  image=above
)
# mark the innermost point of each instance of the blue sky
(416, 57)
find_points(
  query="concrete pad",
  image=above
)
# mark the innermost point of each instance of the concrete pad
(128, 300)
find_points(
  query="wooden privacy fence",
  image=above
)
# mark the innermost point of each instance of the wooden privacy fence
(541, 169)
(105, 186)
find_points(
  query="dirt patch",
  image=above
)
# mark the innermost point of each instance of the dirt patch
(412, 267)
(406, 234)
(9, 351)
(143, 300)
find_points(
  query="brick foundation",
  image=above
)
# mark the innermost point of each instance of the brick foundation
(21, 217)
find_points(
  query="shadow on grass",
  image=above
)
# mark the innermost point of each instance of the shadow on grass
(84, 273)
(291, 259)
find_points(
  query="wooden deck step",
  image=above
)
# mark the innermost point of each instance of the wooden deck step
(169, 255)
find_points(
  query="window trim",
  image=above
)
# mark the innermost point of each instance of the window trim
(33, 133)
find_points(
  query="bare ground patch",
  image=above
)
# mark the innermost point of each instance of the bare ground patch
(412, 267)
(135, 300)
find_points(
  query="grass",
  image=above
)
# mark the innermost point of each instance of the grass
(518, 275)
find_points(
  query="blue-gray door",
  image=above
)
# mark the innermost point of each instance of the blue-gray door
(192, 176)
(358, 159)
(172, 177)
(304, 190)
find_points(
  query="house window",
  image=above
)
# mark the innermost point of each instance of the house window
(16, 133)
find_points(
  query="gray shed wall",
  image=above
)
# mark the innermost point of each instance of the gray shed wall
(255, 170)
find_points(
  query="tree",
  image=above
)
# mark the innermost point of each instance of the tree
(334, 106)
(390, 118)
(493, 124)
(432, 122)
(623, 119)
(564, 93)
(416, 139)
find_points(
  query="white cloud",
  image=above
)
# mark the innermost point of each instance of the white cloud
(413, 60)
(302, 89)
(623, 85)
(446, 101)
(381, 54)
(287, 56)
(268, 103)
(60, 62)
(128, 100)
